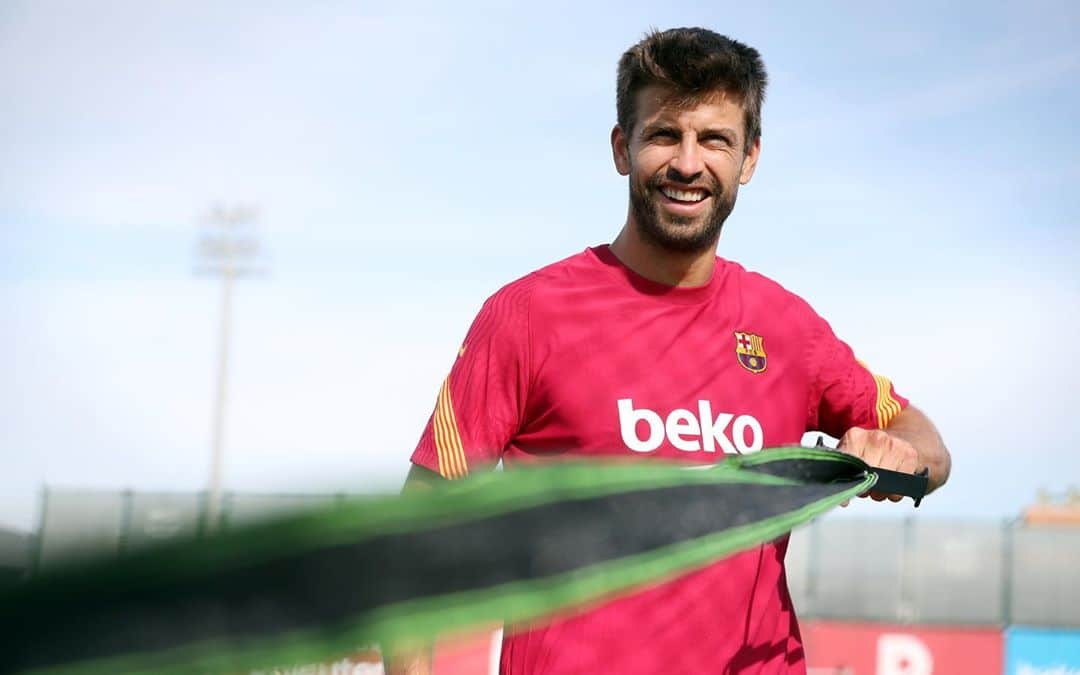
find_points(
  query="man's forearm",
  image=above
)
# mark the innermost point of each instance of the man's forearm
(917, 429)
(420, 478)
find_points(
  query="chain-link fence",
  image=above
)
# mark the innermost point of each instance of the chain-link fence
(80, 523)
(970, 572)
(973, 572)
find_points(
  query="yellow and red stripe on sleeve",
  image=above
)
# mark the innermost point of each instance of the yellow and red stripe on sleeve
(448, 446)
(886, 405)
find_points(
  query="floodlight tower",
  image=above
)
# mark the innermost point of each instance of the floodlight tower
(227, 249)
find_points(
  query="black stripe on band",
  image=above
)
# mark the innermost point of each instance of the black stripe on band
(843, 467)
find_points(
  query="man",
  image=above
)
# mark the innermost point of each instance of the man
(653, 347)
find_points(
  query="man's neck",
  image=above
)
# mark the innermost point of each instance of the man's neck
(661, 265)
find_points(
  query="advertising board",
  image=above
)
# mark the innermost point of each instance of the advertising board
(1042, 651)
(841, 648)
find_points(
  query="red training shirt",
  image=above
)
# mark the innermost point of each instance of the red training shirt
(586, 358)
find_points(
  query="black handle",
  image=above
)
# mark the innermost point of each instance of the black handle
(908, 484)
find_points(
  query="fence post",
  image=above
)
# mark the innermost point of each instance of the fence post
(226, 512)
(812, 567)
(39, 539)
(1008, 562)
(908, 611)
(126, 516)
(202, 528)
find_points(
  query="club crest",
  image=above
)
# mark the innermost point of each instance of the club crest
(750, 349)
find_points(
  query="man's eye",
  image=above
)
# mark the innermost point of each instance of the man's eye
(663, 133)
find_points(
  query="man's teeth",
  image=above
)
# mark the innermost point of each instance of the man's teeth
(684, 195)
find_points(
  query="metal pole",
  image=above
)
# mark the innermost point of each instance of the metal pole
(213, 507)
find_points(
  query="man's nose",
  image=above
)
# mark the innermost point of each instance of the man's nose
(687, 164)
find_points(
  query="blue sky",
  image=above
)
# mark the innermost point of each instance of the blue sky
(917, 185)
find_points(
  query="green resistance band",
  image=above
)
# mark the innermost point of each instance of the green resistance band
(507, 547)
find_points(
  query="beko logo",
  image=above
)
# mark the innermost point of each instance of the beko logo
(689, 432)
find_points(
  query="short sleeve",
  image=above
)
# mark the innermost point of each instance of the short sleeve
(845, 393)
(480, 404)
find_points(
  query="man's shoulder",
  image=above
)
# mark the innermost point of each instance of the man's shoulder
(567, 273)
(759, 289)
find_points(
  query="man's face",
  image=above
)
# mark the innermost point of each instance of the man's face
(685, 165)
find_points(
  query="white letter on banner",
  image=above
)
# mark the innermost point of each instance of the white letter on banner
(902, 654)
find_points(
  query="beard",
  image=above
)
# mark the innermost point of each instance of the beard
(679, 233)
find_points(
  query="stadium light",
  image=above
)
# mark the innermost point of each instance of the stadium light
(227, 249)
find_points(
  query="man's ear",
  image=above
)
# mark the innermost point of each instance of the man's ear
(620, 150)
(750, 161)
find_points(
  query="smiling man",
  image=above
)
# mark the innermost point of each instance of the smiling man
(655, 348)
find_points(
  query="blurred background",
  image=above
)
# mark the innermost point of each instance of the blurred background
(331, 191)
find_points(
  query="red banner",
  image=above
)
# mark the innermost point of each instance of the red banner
(837, 648)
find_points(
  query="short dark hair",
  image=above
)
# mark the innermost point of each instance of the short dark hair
(693, 63)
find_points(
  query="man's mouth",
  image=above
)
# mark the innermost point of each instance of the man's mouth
(684, 195)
